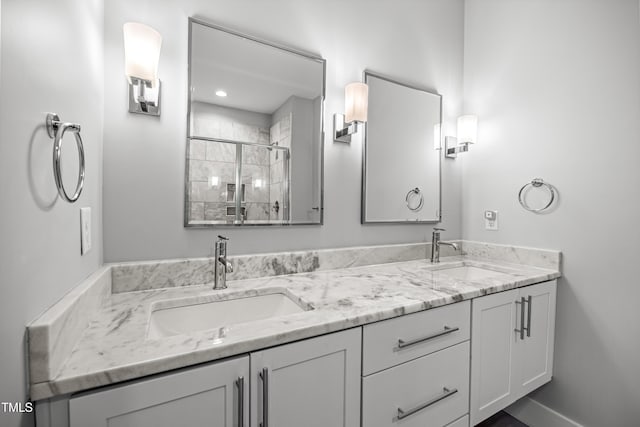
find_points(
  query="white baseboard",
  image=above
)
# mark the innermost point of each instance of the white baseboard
(535, 414)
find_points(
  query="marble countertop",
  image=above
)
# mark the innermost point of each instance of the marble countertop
(114, 347)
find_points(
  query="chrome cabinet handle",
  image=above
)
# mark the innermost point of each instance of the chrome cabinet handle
(404, 414)
(264, 376)
(447, 330)
(240, 385)
(529, 299)
(522, 302)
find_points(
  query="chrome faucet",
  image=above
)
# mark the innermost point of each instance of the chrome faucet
(221, 265)
(436, 243)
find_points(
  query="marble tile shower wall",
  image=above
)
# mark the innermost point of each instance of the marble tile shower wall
(281, 136)
(212, 171)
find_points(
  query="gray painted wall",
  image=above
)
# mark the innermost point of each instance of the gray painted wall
(144, 156)
(52, 60)
(556, 86)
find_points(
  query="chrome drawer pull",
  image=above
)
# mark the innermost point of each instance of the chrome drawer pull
(529, 316)
(446, 393)
(264, 376)
(240, 385)
(521, 303)
(447, 330)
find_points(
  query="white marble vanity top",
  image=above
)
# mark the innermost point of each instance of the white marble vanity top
(113, 345)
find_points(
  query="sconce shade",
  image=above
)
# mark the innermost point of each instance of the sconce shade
(467, 129)
(356, 100)
(141, 52)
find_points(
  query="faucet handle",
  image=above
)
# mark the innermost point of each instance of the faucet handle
(438, 229)
(222, 237)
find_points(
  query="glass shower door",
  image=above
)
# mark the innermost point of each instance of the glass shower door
(264, 173)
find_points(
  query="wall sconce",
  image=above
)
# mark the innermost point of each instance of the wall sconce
(356, 101)
(141, 55)
(467, 134)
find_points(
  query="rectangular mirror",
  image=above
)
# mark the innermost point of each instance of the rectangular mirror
(401, 153)
(254, 133)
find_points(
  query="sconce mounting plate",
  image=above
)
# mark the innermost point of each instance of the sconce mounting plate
(451, 147)
(137, 99)
(342, 132)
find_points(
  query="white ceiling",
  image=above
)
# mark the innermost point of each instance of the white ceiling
(257, 77)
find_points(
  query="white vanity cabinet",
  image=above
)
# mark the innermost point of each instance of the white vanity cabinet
(511, 346)
(314, 382)
(203, 396)
(416, 369)
(450, 366)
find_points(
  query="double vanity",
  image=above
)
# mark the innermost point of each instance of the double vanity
(375, 336)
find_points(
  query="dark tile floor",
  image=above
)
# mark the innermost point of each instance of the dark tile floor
(501, 419)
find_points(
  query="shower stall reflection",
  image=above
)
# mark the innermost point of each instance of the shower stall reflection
(254, 131)
(239, 182)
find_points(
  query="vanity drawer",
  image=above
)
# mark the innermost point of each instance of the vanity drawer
(391, 342)
(431, 391)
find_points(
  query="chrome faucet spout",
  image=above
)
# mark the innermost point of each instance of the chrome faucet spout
(221, 265)
(453, 245)
(436, 243)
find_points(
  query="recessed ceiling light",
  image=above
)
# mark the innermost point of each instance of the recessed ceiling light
(221, 93)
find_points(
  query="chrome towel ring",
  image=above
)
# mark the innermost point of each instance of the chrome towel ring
(411, 197)
(56, 130)
(537, 183)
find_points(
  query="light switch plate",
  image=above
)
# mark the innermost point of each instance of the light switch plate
(85, 230)
(491, 220)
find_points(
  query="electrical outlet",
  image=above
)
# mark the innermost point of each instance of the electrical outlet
(85, 230)
(491, 220)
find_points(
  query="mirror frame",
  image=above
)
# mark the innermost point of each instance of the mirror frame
(308, 55)
(363, 210)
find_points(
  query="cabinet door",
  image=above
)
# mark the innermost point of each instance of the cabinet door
(204, 396)
(507, 365)
(311, 383)
(534, 355)
(493, 343)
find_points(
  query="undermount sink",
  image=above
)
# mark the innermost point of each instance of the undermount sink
(219, 314)
(468, 272)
